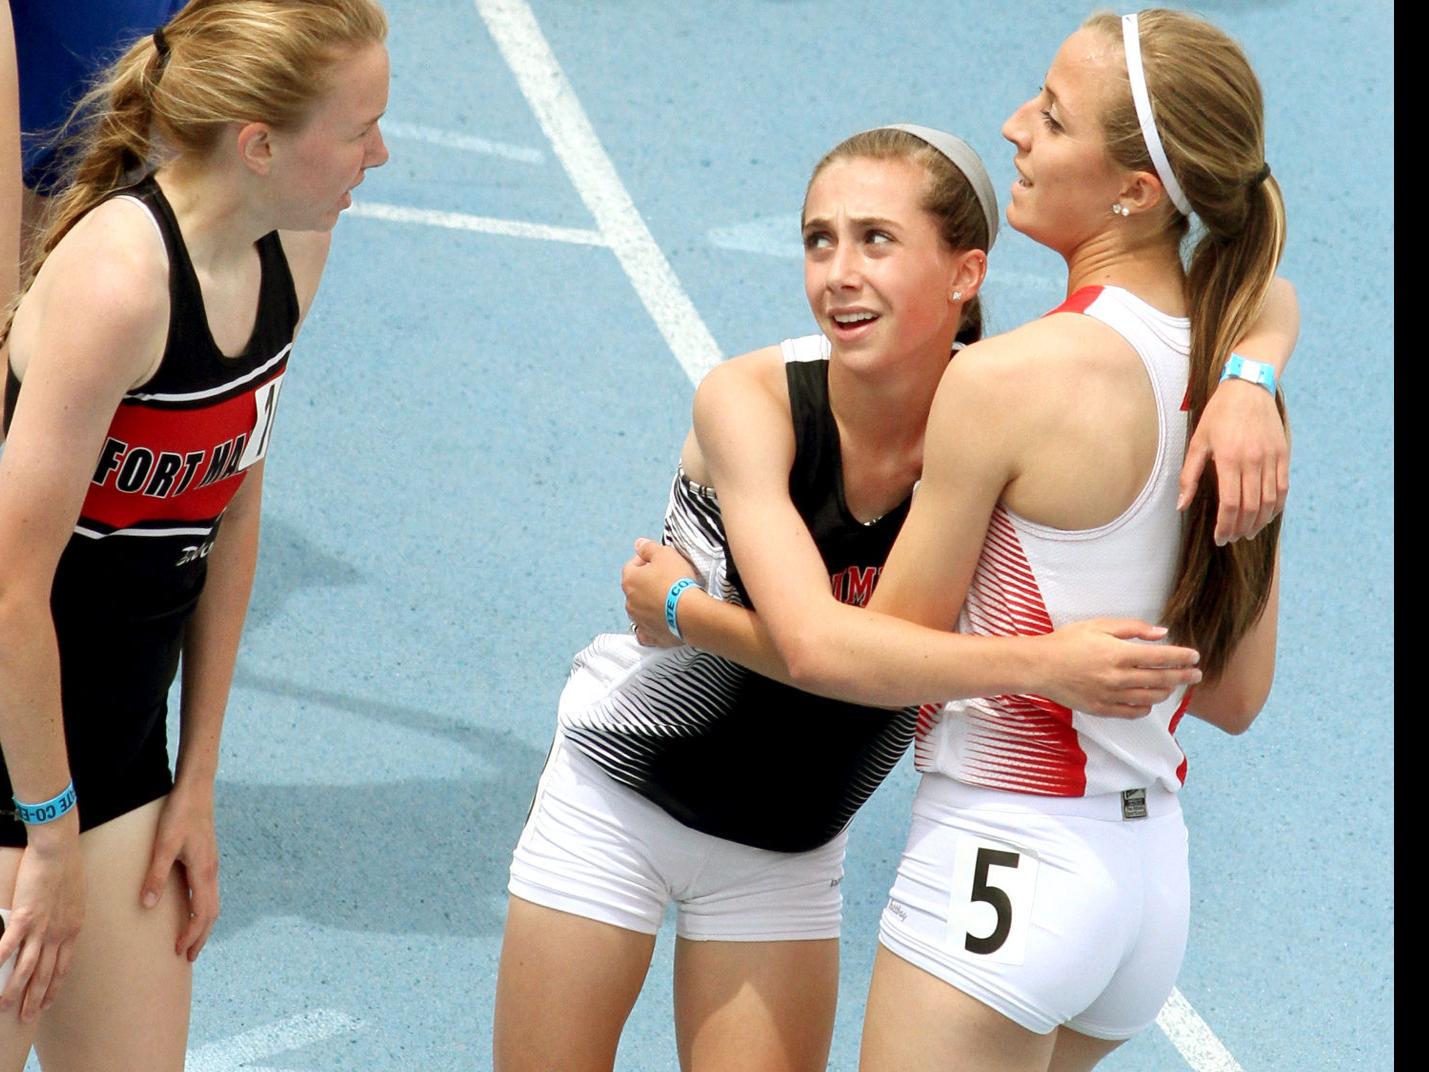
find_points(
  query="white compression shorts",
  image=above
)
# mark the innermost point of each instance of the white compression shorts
(594, 848)
(1050, 910)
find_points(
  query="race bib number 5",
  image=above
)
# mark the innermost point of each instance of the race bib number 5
(991, 905)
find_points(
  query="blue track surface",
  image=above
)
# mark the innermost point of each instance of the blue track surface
(477, 424)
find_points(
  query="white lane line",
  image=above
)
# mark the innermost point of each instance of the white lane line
(460, 221)
(1194, 1039)
(238, 1053)
(452, 140)
(564, 121)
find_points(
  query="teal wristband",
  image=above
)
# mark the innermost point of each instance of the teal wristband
(676, 590)
(57, 807)
(1243, 368)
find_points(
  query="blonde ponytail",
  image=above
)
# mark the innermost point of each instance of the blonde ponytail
(222, 62)
(1209, 113)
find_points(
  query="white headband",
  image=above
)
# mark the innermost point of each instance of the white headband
(964, 157)
(1131, 39)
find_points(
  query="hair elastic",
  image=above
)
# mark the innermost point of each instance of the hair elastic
(161, 44)
(1261, 175)
(1131, 39)
(965, 158)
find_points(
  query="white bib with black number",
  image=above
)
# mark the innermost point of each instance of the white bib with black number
(993, 889)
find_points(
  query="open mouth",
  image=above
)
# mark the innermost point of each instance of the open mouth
(852, 323)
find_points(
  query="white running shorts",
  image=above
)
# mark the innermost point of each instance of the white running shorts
(1051, 910)
(597, 849)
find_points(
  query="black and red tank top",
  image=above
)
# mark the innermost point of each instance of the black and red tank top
(719, 747)
(176, 452)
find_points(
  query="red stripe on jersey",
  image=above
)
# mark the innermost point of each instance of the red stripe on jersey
(1186, 402)
(1028, 745)
(1004, 598)
(1180, 710)
(927, 718)
(165, 464)
(1078, 302)
(1022, 743)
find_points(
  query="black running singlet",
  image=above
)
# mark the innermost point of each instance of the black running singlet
(177, 450)
(722, 749)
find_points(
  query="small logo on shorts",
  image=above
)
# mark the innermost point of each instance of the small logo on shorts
(835, 881)
(898, 910)
(1133, 803)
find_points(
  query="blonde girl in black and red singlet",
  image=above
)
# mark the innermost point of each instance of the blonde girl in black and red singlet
(144, 368)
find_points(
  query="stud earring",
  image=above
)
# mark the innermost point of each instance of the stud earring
(957, 295)
(1120, 209)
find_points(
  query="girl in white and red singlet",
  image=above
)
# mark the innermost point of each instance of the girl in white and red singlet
(1039, 916)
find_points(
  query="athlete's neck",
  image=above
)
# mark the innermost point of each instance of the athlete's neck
(881, 414)
(885, 407)
(216, 216)
(1150, 270)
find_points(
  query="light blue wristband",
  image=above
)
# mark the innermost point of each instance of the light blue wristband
(673, 598)
(57, 807)
(1243, 368)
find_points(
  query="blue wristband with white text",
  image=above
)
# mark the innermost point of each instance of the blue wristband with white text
(1243, 368)
(671, 600)
(47, 811)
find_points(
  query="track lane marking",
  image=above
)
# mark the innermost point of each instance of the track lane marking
(452, 139)
(1193, 1037)
(461, 221)
(242, 1050)
(547, 90)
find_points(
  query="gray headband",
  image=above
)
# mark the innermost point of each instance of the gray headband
(964, 157)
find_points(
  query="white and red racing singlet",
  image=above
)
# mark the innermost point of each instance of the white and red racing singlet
(1032, 579)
